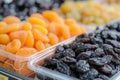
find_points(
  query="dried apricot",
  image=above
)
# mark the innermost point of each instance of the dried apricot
(47, 45)
(2, 24)
(11, 20)
(21, 35)
(52, 16)
(53, 38)
(34, 20)
(75, 29)
(8, 64)
(41, 29)
(27, 26)
(39, 36)
(30, 39)
(4, 39)
(37, 15)
(2, 58)
(65, 31)
(52, 27)
(22, 68)
(13, 46)
(39, 45)
(9, 28)
(26, 51)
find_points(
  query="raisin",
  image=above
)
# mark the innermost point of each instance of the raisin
(98, 52)
(84, 55)
(59, 48)
(106, 69)
(84, 40)
(117, 50)
(63, 68)
(100, 61)
(104, 77)
(82, 66)
(89, 75)
(68, 60)
(114, 43)
(69, 52)
(59, 55)
(50, 63)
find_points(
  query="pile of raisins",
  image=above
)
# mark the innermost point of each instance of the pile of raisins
(24, 8)
(93, 56)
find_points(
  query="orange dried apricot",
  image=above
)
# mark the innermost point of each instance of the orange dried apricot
(41, 29)
(22, 68)
(11, 20)
(4, 39)
(39, 45)
(2, 24)
(47, 45)
(8, 64)
(39, 36)
(52, 16)
(34, 20)
(53, 38)
(65, 31)
(75, 29)
(29, 40)
(26, 51)
(37, 15)
(13, 46)
(27, 26)
(21, 35)
(2, 58)
(9, 28)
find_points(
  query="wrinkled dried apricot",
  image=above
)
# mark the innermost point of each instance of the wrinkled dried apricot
(13, 46)
(22, 68)
(53, 38)
(2, 58)
(21, 35)
(2, 24)
(26, 51)
(11, 20)
(52, 16)
(39, 36)
(4, 39)
(27, 26)
(39, 45)
(34, 20)
(7, 64)
(41, 29)
(30, 39)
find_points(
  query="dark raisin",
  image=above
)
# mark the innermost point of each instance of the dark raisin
(90, 75)
(98, 52)
(63, 68)
(59, 48)
(82, 66)
(100, 61)
(114, 43)
(69, 52)
(68, 60)
(106, 69)
(104, 77)
(50, 63)
(84, 55)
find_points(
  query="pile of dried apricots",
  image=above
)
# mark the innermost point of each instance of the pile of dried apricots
(38, 32)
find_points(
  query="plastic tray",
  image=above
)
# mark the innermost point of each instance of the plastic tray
(19, 64)
(48, 74)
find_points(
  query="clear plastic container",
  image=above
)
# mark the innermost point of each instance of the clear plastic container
(43, 73)
(19, 64)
